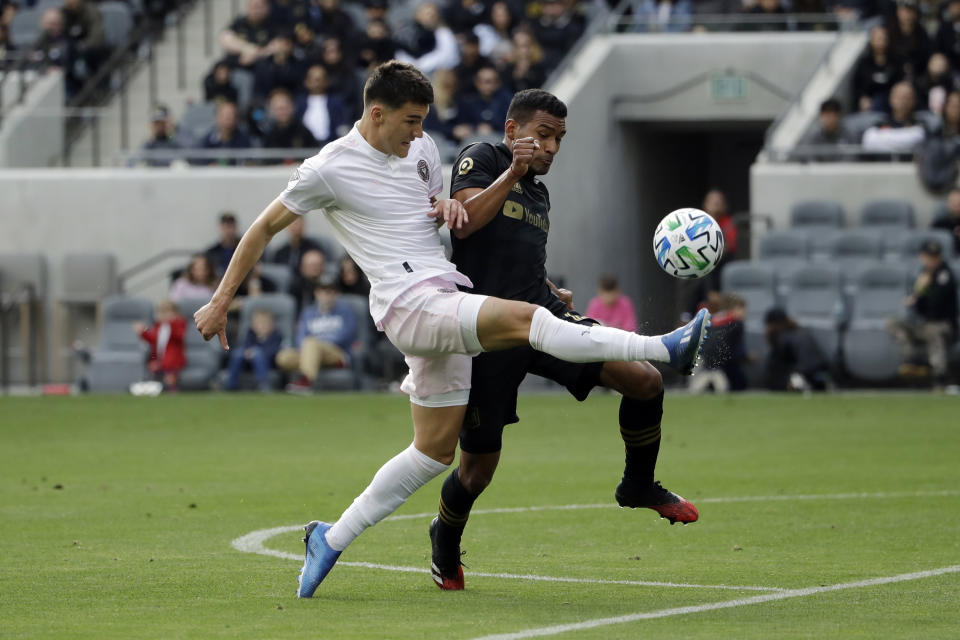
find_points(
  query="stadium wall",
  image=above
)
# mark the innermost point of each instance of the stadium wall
(32, 133)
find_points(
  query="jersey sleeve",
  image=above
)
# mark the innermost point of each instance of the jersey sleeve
(476, 167)
(307, 190)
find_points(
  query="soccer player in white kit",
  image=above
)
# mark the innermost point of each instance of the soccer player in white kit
(378, 186)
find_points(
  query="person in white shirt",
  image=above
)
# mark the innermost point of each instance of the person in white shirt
(377, 187)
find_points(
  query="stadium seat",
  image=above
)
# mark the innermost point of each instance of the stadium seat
(331, 249)
(887, 214)
(869, 350)
(756, 283)
(117, 22)
(88, 278)
(279, 274)
(857, 123)
(788, 246)
(815, 300)
(203, 356)
(354, 376)
(819, 219)
(121, 357)
(196, 122)
(23, 287)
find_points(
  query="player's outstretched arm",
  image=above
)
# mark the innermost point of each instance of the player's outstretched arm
(482, 205)
(211, 318)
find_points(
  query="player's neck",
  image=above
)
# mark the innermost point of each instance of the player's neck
(370, 132)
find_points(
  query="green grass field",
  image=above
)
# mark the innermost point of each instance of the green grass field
(117, 516)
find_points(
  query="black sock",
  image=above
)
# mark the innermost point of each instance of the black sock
(640, 430)
(455, 505)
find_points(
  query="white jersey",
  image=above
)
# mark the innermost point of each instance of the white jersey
(377, 205)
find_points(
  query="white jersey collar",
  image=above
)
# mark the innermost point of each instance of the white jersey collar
(366, 147)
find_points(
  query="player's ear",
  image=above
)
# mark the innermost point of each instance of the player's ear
(376, 113)
(510, 129)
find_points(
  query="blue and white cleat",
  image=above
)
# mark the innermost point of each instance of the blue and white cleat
(320, 558)
(684, 344)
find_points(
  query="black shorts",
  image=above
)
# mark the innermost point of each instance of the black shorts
(497, 376)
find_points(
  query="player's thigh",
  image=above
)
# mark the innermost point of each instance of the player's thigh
(435, 430)
(502, 324)
(639, 380)
(493, 398)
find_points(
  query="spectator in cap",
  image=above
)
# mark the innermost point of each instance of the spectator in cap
(794, 362)
(931, 320)
(325, 335)
(950, 221)
(161, 136)
(221, 252)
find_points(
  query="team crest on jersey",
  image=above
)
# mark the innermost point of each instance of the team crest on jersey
(465, 167)
(423, 170)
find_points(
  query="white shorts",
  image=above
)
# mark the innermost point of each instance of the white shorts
(435, 326)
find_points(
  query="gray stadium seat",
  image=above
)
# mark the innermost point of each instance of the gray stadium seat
(815, 300)
(887, 214)
(279, 274)
(121, 357)
(870, 351)
(117, 22)
(88, 277)
(854, 246)
(203, 357)
(756, 283)
(331, 248)
(352, 377)
(196, 122)
(905, 247)
(819, 219)
(789, 245)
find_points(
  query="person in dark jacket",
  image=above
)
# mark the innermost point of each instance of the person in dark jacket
(257, 352)
(795, 362)
(931, 320)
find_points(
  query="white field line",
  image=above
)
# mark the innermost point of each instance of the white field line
(713, 606)
(254, 543)
(723, 500)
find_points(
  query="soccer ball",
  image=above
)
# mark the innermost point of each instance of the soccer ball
(688, 243)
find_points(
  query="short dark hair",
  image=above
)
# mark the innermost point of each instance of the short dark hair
(396, 83)
(831, 105)
(527, 102)
(608, 282)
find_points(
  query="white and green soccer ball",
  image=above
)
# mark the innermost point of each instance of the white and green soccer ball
(688, 243)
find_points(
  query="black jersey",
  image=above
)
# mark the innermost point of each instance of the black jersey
(507, 257)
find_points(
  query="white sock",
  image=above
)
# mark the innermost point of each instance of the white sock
(396, 481)
(579, 343)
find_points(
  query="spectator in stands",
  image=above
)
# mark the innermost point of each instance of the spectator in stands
(662, 15)
(161, 136)
(876, 73)
(470, 61)
(197, 281)
(441, 118)
(166, 339)
(306, 47)
(932, 317)
(217, 85)
(526, 70)
(715, 203)
(830, 130)
(221, 252)
(496, 37)
(934, 85)
(950, 221)
(794, 361)
(557, 30)
(428, 43)
(297, 244)
(463, 15)
(279, 70)
(947, 40)
(342, 78)
(611, 307)
(284, 130)
(8, 9)
(772, 13)
(323, 113)
(484, 112)
(854, 9)
(84, 26)
(900, 132)
(332, 21)
(909, 41)
(226, 133)
(258, 352)
(325, 335)
(53, 49)
(248, 38)
(375, 10)
(950, 116)
(376, 44)
(313, 266)
(724, 357)
(351, 279)
(253, 285)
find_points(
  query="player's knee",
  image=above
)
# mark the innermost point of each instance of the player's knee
(643, 383)
(475, 479)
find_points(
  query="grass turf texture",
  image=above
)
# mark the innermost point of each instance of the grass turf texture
(117, 513)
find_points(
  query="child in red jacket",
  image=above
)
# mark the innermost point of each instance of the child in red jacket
(166, 340)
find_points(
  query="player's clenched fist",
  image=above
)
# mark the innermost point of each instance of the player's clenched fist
(212, 321)
(451, 212)
(523, 150)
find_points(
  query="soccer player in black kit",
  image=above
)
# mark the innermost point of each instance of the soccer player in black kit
(503, 251)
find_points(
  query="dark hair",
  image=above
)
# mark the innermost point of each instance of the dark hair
(527, 102)
(608, 282)
(396, 83)
(831, 104)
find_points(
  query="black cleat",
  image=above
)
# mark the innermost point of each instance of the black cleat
(445, 565)
(653, 496)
